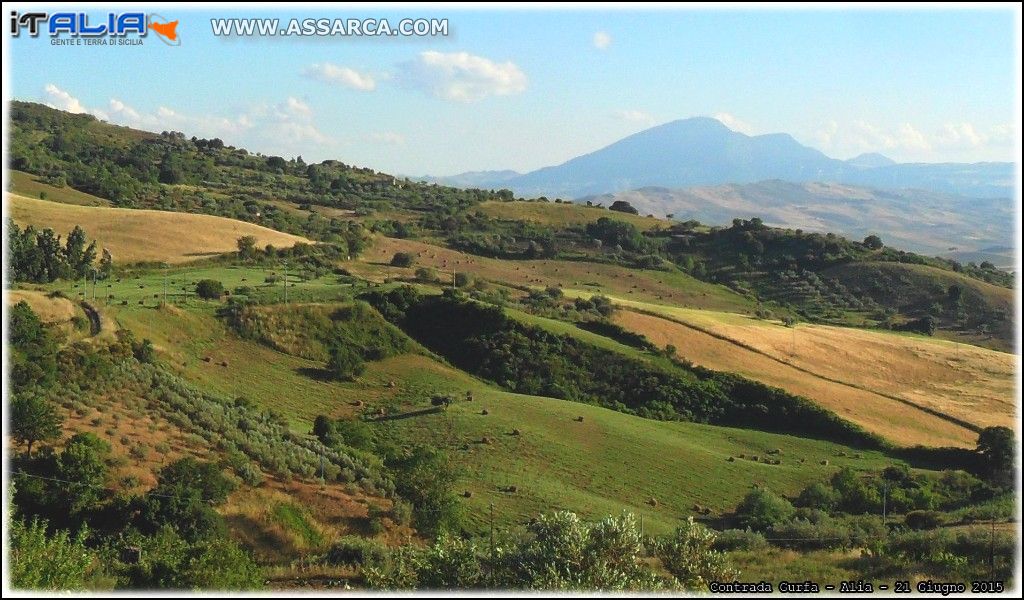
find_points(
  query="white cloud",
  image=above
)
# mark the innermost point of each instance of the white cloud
(60, 99)
(602, 40)
(907, 142)
(462, 77)
(346, 76)
(285, 126)
(634, 116)
(734, 123)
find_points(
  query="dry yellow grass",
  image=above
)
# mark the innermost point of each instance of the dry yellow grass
(145, 235)
(851, 371)
(49, 310)
(891, 419)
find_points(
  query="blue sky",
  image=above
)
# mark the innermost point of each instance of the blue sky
(522, 90)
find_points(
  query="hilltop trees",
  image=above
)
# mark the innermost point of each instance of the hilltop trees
(39, 257)
(623, 206)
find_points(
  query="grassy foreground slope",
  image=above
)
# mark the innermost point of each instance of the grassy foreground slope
(613, 462)
(145, 235)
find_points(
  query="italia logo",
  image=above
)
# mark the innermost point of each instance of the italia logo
(81, 25)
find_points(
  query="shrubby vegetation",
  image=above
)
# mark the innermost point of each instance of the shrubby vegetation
(560, 552)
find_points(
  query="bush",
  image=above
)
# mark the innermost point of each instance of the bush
(690, 556)
(732, 540)
(818, 495)
(344, 364)
(426, 274)
(354, 551)
(41, 561)
(209, 289)
(924, 519)
(402, 259)
(760, 509)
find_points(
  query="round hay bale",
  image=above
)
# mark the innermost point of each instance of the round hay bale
(223, 363)
(579, 419)
(467, 494)
(207, 359)
(484, 412)
(824, 462)
(516, 432)
(653, 501)
(731, 459)
(485, 440)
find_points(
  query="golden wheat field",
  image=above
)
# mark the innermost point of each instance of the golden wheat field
(876, 379)
(133, 235)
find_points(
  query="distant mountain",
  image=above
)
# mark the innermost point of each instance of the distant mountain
(921, 221)
(870, 160)
(703, 152)
(471, 179)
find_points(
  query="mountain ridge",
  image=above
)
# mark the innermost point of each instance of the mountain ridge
(701, 151)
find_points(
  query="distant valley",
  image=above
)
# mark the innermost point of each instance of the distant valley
(926, 222)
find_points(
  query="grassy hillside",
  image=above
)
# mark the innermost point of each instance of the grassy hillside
(670, 286)
(983, 315)
(562, 214)
(32, 186)
(594, 473)
(876, 376)
(145, 235)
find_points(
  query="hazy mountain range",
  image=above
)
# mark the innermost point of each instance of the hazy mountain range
(700, 169)
(702, 151)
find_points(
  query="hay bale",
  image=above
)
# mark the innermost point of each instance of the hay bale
(207, 359)
(484, 412)
(467, 494)
(516, 432)
(357, 403)
(824, 462)
(223, 363)
(754, 458)
(743, 455)
(731, 459)
(653, 501)
(579, 419)
(485, 440)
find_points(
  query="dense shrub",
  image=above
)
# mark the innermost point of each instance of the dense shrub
(761, 509)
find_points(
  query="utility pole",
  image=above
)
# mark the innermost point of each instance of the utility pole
(885, 492)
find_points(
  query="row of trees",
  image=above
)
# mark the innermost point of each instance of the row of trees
(39, 256)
